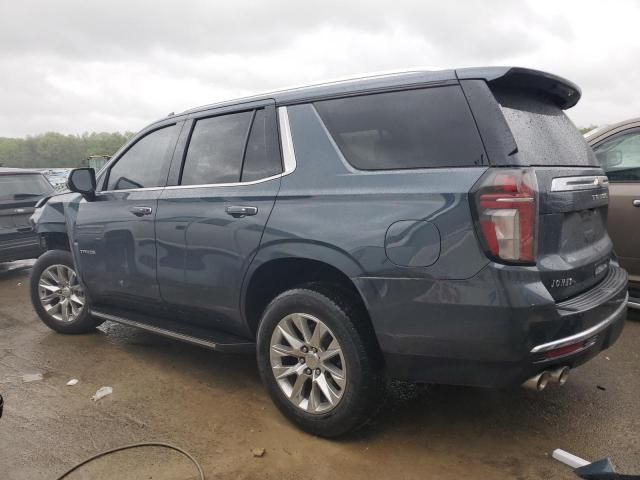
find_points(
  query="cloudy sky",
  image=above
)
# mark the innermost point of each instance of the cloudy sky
(75, 66)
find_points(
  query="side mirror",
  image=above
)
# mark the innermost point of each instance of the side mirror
(83, 181)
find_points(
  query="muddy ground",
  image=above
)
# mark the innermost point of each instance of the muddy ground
(214, 406)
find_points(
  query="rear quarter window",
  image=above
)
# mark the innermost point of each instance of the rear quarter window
(423, 128)
(542, 131)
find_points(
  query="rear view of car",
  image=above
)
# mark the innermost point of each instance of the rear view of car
(20, 190)
(541, 216)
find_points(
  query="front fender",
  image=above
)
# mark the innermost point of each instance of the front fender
(52, 216)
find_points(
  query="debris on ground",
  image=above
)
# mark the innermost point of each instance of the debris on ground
(101, 393)
(598, 470)
(72, 382)
(258, 452)
(600, 387)
(31, 377)
(569, 459)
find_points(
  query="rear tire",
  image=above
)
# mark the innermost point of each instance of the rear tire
(58, 297)
(329, 383)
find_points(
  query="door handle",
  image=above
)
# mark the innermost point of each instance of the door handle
(140, 211)
(636, 202)
(239, 211)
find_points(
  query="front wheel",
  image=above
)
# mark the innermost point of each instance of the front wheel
(319, 361)
(58, 296)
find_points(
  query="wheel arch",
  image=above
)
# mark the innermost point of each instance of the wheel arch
(272, 273)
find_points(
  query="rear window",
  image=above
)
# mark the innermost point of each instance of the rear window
(543, 133)
(17, 187)
(423, 128)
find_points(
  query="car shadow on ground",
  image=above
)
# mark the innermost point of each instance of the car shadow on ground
(407, 409)
(14, 269)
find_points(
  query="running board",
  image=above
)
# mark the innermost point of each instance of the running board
(214, 340)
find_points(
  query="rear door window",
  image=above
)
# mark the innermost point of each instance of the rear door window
(424, 128)
(619, 157)
(145, 164)
(543, 133)
(216, 149)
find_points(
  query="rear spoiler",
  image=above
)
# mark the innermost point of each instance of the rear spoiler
(563, 93)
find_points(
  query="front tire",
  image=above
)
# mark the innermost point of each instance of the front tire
(319, 361)
(57, 295)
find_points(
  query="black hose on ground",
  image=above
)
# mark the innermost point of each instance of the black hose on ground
(136, 445)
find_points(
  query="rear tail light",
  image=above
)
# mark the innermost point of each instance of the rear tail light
(506, 212)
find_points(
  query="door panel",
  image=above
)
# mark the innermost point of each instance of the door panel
(204, 254)
(116, 247)
(619, 155)
(210, 220)
(624, 225)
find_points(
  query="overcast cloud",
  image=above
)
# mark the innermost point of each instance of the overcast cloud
(75, 66)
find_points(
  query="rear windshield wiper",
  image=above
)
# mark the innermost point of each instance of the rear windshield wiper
(16, 196)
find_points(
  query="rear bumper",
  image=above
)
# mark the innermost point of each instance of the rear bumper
(492, 330)
(19, 247)
(580, 340)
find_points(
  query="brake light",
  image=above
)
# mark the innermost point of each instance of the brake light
(506, 210)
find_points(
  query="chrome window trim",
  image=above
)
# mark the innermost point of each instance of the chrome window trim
(585, 182)
(286, 141)
(288, 156)
(125, 190)
(233, 184)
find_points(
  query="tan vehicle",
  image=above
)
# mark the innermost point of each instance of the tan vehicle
(617, 148)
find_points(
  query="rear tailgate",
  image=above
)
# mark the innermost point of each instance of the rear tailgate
(14, 215)
(19, 192)
(573, 247)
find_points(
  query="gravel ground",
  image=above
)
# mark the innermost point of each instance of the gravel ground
(214, 406)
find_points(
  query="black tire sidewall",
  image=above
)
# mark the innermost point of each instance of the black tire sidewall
(84, 322)
(359, 398)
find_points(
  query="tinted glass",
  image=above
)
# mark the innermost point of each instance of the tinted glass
(543, 133)
(430, 127)
(260, 161)
(619, 156)
(144, 164)
(16, 187)
(215, 149)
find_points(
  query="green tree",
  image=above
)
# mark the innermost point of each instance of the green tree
(51, 149)
(584, 130)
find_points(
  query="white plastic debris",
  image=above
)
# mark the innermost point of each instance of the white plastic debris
(569, 459)
(101, 393)
(31, 377)
(72, 382)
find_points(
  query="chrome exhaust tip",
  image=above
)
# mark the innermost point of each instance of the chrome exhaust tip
(538, 382)
(560, 375)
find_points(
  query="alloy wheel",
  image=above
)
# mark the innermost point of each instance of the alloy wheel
(60, 293)
(307, 363)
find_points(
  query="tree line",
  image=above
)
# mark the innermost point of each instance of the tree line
(53, 150)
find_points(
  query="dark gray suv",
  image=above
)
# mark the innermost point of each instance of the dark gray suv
(444, 227)
(20, 192)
